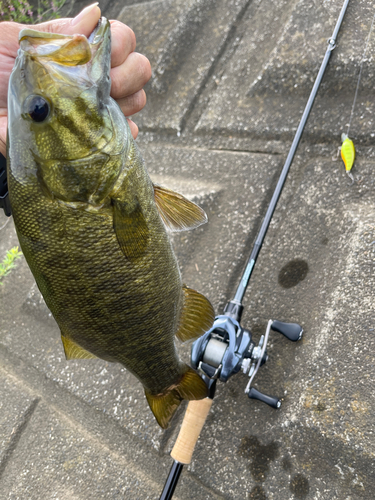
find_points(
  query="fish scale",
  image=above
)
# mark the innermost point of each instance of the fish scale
(92, 225)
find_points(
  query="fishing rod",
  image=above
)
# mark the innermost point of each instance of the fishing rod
(227, 347)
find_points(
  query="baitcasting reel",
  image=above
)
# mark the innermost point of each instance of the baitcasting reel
(227, 348)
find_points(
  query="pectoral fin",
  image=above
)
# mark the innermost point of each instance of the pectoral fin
(197, 315)
(163, 406)
(178, 213)
(131, 228)
(74, 351)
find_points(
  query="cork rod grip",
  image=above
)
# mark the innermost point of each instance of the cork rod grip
(191, 427)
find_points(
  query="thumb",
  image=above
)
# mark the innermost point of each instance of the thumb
(83, 24)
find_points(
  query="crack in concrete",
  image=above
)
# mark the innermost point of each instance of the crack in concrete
(226, 43)
(105, 433)
(16, 434)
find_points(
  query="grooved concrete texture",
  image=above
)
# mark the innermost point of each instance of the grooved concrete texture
(230, 81)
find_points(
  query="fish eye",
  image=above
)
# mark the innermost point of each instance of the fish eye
(37, 108)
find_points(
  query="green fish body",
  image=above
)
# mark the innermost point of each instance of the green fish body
(92, 225)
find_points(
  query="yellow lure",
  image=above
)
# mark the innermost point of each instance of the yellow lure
(347, 152)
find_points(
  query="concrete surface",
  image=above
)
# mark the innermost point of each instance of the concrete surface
(230, 81)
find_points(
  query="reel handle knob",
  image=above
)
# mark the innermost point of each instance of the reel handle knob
(291, 331)
(269, 400)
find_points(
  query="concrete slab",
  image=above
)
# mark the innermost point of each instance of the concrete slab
(32, 465)
(224, 80)
(56, 458)
(16, 407)
(183, 40)
(263, 88)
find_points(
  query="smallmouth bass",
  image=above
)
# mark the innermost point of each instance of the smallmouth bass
(92, 225)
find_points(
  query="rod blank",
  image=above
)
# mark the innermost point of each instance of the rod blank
(275, 197)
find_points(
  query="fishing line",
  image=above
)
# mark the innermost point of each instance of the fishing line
(347, 146)
(3, 226)
(360, 74)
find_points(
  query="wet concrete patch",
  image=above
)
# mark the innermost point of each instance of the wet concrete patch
(292, 273)
(299, 486)
(259, 455)
(346, 472)
(286, 464)
(257, 493)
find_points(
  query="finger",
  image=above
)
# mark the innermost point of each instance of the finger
(122, 43)
(131, 76)
(123, 38)
(83, 24)
(133, 128)
(9, 35)
(133, 103)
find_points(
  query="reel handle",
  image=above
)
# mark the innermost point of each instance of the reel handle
(291, 331)
(269, 400)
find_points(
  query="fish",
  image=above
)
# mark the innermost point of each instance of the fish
(92, 225)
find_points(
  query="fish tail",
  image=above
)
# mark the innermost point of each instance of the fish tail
(163, 406)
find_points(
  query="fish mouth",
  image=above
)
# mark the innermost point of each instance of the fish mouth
(67, 50)
(99, 31)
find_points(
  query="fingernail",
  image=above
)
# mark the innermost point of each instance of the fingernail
(83, 13)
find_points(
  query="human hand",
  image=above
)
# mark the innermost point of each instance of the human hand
(130, 71)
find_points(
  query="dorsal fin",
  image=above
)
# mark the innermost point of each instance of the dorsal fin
(177, 212)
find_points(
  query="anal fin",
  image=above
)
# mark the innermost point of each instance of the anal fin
(163, 406)
(74, 351)
(197, 315)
